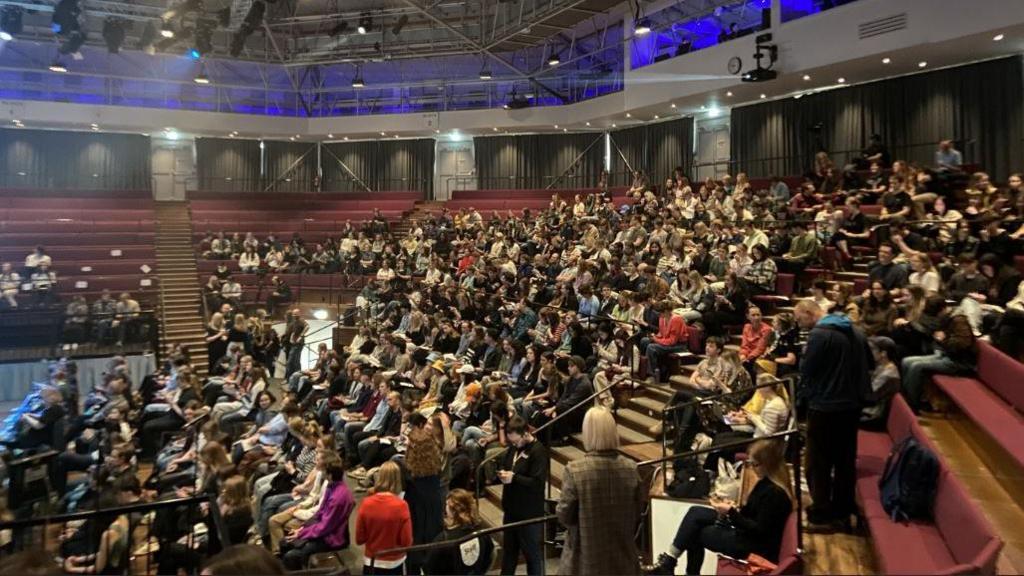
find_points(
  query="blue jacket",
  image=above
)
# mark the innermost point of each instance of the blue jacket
(835, 367)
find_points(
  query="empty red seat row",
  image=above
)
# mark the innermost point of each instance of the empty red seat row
(125, 283)
(198, 217)
(77, 226)
(73, 239)
(285, 204)
(959, 541)
(75, 214)
(109, 267)
(994, 399)
(34, 198)
(75, 254)
(293, 198)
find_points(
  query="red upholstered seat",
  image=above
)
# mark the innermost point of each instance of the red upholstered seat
(988, 411)
(1001, 373)
(959, 541)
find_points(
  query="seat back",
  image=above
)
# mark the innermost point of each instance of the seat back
(967, 533)
(790, 562)
(1001, 373)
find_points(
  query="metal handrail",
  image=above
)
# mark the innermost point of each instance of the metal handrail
(720, 395)
(541, 428)
(471, 536)
(126, 509)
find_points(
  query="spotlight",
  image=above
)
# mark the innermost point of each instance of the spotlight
(643, 27)
(886, 60)
(194, 54)
(114, 33)
(402, 21)
(998, 38)
(10, 22)
(166, 31)
(485, 72)
(57, 66)
(201, 78)
(922, 64)
(554, 60)
(806, 77)
(365, 24)
(357, 80)
(841, 80)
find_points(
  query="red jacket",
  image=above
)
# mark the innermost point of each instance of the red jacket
(671, 331)
(753, 344)
(383, 522)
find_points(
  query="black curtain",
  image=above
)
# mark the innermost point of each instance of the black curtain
(979, 106)
(74, 160)
(228, 164)
(291, 166)
(537, 161)
(382, 165)
(657, 149)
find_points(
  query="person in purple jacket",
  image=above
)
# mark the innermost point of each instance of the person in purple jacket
(328, 528)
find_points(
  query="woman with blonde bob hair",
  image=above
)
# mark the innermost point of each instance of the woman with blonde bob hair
(602, 496)
(756, 527)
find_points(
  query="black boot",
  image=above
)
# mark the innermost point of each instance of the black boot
(665, 566)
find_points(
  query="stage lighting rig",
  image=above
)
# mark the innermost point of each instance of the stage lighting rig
(769, 52)
(114, 33)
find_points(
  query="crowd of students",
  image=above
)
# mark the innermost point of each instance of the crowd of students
(483, 342)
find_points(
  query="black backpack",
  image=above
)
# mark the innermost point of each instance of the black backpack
(909, 481)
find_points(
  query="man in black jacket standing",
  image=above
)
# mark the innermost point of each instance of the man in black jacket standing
(834, 375)
(524, 473)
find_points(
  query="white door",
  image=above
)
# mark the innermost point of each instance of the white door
(172, 166)
(712, 148)
(454, 168)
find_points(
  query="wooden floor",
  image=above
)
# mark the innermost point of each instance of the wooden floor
(996, 485)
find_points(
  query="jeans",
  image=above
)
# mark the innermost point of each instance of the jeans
(832, 463)
(654, 354)
(525, 539)
(470, 441)
(294, 363)
(271, 506)
(917, 369)
(699, 530)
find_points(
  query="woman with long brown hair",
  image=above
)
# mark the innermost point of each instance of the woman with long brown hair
(756, 527)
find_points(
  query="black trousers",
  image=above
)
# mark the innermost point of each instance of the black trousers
(295, 553)
(685, 419)
(525, 539)
(831, 463)
(700, 529)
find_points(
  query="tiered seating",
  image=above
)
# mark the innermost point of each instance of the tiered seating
(81, 235)
(324, 213)
(510, 199)
(959, 541)
(314, 216)
(994, 399)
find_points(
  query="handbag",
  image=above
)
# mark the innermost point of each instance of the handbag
(727, 483)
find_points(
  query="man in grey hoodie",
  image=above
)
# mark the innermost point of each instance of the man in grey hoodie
(834, 376)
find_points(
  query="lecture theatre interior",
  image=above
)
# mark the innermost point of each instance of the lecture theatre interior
(494, 287)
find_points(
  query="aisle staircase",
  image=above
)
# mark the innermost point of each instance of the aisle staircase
(180, 295)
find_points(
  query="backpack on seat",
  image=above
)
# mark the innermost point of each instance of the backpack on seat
(909, 482)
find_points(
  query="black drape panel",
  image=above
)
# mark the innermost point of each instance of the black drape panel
(228, 164)
(980, 106)
(657, 149)
(386, 165)
(536, 161)
(290, 166)
(74, 160)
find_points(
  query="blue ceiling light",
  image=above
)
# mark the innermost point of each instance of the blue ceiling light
(194, 54)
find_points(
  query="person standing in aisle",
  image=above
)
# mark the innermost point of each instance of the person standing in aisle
(524, 473)
(834, 376)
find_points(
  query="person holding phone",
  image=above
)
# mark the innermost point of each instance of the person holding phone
(523, 473)
(737, 531)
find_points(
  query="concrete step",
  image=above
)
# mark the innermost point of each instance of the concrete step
(635, 420)
(650, 406)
